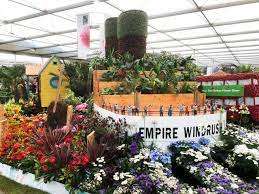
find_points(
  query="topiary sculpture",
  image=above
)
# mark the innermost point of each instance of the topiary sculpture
(111, 40)
(132, 33)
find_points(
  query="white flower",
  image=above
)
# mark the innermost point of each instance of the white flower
(98, 177)
(193, 169)
(116, 176)
(121, 147)
(125, 182)
(234, 186)
(190, 191)
(100, 160)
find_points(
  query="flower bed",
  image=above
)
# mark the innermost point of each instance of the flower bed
(193, 159)
(95, 154)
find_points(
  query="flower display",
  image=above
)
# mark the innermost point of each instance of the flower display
(209, 173)
(239, 151)
(110, 161)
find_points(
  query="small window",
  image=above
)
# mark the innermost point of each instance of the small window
(55, 62)
(54, 82)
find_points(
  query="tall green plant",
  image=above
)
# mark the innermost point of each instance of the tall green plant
(10, 78)
(79, 80)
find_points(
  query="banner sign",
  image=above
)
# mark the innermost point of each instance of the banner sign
(224, 90)
(162, 131)
(83, 35)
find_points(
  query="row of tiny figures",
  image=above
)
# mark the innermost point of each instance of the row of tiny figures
(183, 110)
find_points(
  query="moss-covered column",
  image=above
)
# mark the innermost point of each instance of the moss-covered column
(111, 40)
(132, 33)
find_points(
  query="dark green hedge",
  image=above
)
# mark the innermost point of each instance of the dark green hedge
(111, 27)
(132, 22)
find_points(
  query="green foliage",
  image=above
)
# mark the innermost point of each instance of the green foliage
(80, 78)
(186, 88)
(107, 91)
(245, 68)
(132, 22)
(111, 27)
(10, 78)
(151, 74)
(71, 99)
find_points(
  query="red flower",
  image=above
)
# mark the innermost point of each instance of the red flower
(68, 140)
(16, 146)
(21, 155)
(85, 160)
(45, 168)
(29, 149)
(43, 160)
(52, 159)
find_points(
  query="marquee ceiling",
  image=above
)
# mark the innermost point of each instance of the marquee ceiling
(213, 31)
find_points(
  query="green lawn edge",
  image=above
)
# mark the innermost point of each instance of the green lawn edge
(8, 186)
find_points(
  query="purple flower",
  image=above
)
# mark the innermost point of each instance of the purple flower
(222, 180)
(74, 129)
(133, 148)
(145, 182)
(206, 164)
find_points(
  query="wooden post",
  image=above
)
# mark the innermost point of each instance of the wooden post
(59, 88)
(69, 115)
(136, 99)
(90, 138)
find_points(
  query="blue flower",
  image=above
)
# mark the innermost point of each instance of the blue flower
(154, 155)
(204, 141)
(195, 146)
(166, 158)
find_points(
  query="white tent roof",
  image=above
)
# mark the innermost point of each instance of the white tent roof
(213, 31)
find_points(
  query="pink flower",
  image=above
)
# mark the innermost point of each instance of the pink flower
(79, 118)
(81, 107)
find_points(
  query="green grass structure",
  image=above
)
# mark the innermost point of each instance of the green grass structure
(132, 32)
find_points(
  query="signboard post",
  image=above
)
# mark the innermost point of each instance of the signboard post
(224, 90)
